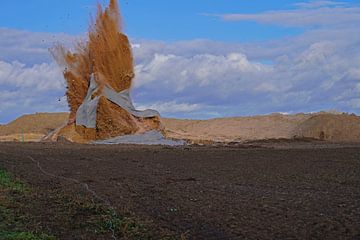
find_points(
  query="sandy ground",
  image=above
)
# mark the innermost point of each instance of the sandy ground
(235, 129)
(261, 190)
(323, 126)
(19, 137)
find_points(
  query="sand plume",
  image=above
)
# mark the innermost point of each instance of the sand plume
(110, 50)
(76, 73)
(99, 108)
(106, 53)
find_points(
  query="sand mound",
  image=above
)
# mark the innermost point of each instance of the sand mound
(235, 129)
(26, 137)
(39, 123)
(325, 126)
(67, 133)
(331, 127)
(113, 121)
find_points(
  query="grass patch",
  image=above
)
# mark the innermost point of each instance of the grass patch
(25, 236)
(96, 218)
(11, 223)
(8, 183)
(68, 213)
(126, 227)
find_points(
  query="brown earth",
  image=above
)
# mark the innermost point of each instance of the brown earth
(263, 190)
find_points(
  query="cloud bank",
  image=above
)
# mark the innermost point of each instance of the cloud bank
(308, 14)
(25, 90)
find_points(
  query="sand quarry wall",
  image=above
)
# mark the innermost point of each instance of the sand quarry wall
(323, 126)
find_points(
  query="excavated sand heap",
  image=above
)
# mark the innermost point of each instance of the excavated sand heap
(104, 62)
(331, 127)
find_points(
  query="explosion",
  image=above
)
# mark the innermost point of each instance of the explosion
(98, 75)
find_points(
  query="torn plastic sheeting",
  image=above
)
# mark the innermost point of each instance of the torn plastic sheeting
(86, 114)
(148, 138)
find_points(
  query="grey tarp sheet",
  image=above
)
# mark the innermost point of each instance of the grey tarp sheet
(86, 114)
(149, 138)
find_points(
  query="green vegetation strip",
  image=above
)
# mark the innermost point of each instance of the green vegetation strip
(7, 183)
(25, 236)
(10, 226)
(76, 213)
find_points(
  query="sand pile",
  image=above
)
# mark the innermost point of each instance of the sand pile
(39, 123)
(322, 126)
(330, 127)
(32, 127)
(239, 129)
(99, 75)
(22, 137)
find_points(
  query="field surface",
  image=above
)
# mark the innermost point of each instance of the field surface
(262, 190)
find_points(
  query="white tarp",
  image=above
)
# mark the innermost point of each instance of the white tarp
(149, 138)
(86, 114)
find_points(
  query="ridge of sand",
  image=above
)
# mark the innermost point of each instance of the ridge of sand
(235, 129)
(38, 123)
(331, 127)
(324, 126)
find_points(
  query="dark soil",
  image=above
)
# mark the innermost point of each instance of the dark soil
(267, 190)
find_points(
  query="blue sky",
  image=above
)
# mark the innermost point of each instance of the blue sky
(186, 20)
(155, 19)
(195, 59)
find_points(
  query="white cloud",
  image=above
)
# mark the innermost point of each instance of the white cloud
(222, 73)
(171, 107)
(39, 77)
(29, 80)
(355, 74)
(316, 13)
(354, 103)
(307, 73)
(30, 89)
(29, 47)
(317, 4)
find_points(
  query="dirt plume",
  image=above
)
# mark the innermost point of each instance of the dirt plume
(107, 53)
(106, 56)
